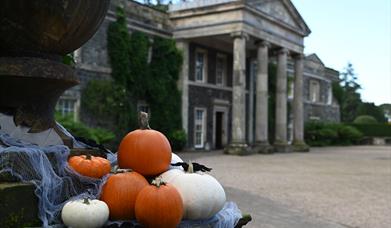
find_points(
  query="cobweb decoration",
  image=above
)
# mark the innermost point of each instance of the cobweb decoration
(56, 183)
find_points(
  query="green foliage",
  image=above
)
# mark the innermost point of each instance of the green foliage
(135, 79)
(371, 109)
(178, 140)
(365, 119)
(68, 59)
(138, 64)
(348, 135)
(110, 101)
(324, 134)
(163, 95)
(118, 42)
(79, 129)
(338, 92)
(349, 95)
(374, 130)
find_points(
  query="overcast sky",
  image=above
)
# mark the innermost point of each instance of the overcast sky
(356, 31)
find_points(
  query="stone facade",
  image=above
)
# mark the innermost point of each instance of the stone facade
(227, 44)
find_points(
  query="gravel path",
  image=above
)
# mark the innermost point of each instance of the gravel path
(330, 187)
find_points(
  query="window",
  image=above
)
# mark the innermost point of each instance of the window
(314, 91)
(330, 96)
(66, 106)
(221, 69)
(199, 127)
(200, 66)
(291, 86)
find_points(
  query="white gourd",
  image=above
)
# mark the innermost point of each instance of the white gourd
(85, 213)
(202, 195)
(174, 159)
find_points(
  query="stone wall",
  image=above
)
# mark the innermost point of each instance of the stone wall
(203, 97)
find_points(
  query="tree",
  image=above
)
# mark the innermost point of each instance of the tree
(350, 98)
(367, 108)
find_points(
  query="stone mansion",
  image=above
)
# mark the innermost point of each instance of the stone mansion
(227, 47)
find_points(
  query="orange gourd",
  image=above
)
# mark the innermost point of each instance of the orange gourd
(90, 166)
(145, 151)
(120, 193)
(159, 205)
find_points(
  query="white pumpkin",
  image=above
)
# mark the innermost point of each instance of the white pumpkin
(175, 159)
(85, 213)
(202, 194)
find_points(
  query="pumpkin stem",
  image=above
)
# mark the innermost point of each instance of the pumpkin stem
(191, 167)
(158, 181)
(86, 201)
(88, 157)
(143, 121)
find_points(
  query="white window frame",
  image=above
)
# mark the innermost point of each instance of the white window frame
(204, 66)
(314, 91)
(203, 128)
(224, 70)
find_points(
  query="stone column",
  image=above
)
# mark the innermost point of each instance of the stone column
(298, 114)
(238, 143)
(280, 142)
(261, 115)
(183, 86)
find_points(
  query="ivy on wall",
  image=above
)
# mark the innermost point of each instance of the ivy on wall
(136, 79)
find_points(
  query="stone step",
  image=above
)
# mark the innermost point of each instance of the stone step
(18, 205)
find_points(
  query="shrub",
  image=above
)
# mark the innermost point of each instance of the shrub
(348, 135)
(374, 130)
(325, 134)
(80, 130)
(365, 119)
(178, 140)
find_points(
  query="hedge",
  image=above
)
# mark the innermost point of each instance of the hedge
(374, 130)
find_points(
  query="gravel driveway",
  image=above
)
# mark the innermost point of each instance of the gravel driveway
(328, 187)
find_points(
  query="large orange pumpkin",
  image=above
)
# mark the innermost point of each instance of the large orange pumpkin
(90, 166)
(120, 193)
(159, 205)
(145, 151)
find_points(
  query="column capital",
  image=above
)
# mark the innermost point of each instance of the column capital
(262, 43)
(240, 34)
(283, 51)
(298, 56)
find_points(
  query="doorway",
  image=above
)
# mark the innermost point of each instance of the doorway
(219, 130)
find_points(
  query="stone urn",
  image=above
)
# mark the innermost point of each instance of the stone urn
(34, 37)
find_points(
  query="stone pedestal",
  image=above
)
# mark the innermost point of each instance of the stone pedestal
(18, 205)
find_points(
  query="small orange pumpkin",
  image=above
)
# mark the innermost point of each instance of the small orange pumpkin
(145, 151)
(90, 166)
(120, 192)
(159, 205)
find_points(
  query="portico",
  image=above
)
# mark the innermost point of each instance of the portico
(246, 30)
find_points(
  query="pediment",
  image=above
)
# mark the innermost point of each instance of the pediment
(282, 11)
(314, 58)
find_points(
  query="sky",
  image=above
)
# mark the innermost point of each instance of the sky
(356, 31)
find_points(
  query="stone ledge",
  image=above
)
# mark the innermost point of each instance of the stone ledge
(18, 205)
